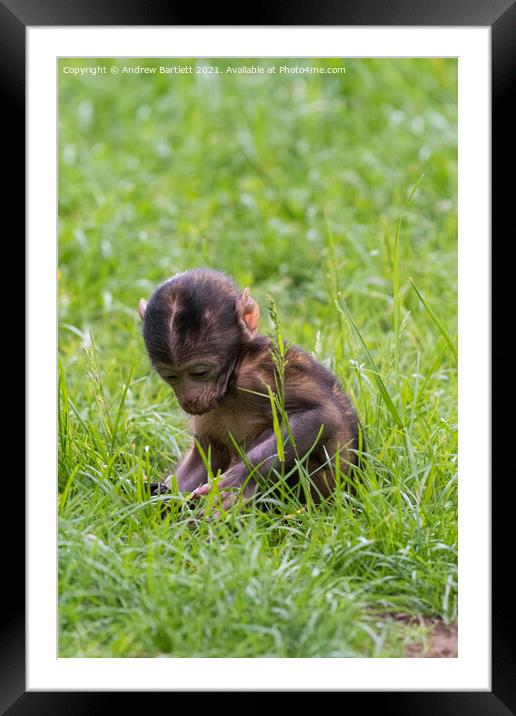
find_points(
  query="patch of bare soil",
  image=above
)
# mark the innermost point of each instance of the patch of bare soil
(440, 641)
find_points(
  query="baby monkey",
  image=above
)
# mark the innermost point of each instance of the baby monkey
(200, 332)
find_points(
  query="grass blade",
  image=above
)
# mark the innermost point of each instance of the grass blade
(374, 370)
(396, 283)
(276, 426)
(435, 320)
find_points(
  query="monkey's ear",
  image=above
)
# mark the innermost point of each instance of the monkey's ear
(142, 307)
(248, 313)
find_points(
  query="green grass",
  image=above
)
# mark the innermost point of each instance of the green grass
(300, 187)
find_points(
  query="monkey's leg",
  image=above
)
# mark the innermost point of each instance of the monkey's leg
(191, 471)
(264, 456)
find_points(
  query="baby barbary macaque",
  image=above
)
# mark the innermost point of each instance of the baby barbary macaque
(200, 332)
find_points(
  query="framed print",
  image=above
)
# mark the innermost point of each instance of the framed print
(326, 174)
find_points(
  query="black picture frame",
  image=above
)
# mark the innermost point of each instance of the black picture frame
(500, 16)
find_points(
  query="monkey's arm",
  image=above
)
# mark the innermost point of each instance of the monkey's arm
(190, 473)
(263, 456)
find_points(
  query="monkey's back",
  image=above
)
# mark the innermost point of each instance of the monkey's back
(309, 386)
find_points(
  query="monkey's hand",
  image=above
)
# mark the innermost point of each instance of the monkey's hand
(158, 488)
(232, 484)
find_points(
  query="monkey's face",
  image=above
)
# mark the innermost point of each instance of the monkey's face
(195, 326)
(198, 385)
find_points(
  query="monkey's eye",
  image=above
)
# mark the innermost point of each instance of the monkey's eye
(171, 377)
(199, 373)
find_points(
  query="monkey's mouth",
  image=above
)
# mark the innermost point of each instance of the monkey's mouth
(193, 409)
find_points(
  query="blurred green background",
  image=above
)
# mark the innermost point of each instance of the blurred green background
(254, 175)
(162, 173)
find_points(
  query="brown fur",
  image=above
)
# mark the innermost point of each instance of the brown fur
(247, 416)
(189, 322)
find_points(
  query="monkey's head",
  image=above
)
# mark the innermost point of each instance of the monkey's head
(194, 327)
